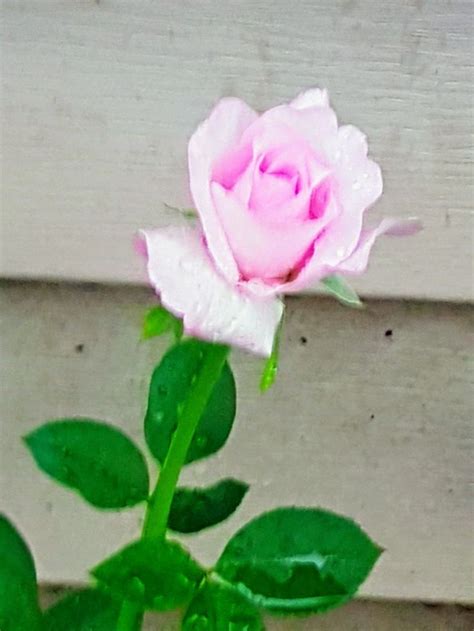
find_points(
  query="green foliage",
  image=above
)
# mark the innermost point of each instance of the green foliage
(193, 510)
(19, 609)
(169, 387)
(84, 610)
(95, 459)
(158, 321)
(342, 291)
(298, 560)
(220, 607)
(153, 573)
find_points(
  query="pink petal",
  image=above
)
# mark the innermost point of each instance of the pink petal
(217, 135)
(228, 169)
(183, 274)
(262, 250)
(311, 98)
(359, 179)
(316, 126)
(357, 262)
(357, 184)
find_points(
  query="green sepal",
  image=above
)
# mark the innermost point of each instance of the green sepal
(188, 213)
(270, 368)
(342, 291)
(158, 321)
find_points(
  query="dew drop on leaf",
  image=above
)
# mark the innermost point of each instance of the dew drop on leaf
(201, 441)
(137, 586)
(182, 580)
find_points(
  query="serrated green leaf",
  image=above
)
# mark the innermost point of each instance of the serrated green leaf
(93, 458)
(298, 559)
(152, 573)
(169, 388)
(19, 610)
(220, 607)
(342, 291)
(83, 610)
(193, 510)
(158, 321)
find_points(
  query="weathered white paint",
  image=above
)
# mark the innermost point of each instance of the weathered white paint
(100, 96)
(357, 616)
(376, 427)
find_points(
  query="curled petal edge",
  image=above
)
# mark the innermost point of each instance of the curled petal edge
(357, 262)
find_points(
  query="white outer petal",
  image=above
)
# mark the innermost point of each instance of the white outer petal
(311, 98)
(182, 273)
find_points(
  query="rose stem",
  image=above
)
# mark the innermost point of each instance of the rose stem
(159, 504)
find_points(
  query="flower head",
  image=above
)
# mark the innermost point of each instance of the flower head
(281, 198)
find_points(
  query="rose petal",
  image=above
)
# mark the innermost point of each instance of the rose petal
(262, 250)
(354, 264)
(357, 184)
(228, 169)
(219, 133)
(317, 126)
(357, 262)
(359, 179)
(352, 143)
(182, 273)
(311, 98)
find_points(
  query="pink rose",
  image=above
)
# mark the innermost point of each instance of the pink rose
(281, 198)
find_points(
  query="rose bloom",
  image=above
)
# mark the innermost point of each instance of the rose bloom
(281, 198)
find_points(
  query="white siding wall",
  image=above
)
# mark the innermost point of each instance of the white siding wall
(101, 96)
(376, 427)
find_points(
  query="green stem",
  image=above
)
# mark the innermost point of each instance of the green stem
(130, 618)
(159, 504)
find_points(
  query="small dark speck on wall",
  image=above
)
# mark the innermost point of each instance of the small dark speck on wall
(388, 333)
(372, 416)
(79, 348)
(303, 340)
(55, 590)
